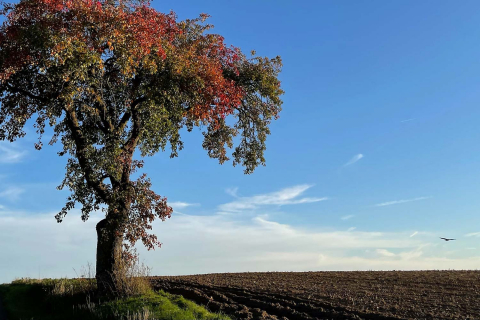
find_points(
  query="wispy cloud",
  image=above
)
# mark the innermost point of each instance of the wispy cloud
(473, 234)
(12, 193)
(414, 234)
(407, 120)
(272, 225)
(354, 159)
(351, 229)
(232, 191)
(347, 217)
(389, 203)
(176, 205)
(403, 255)
(413, 254)
(385, 253)
(9, 154)
(285, 196)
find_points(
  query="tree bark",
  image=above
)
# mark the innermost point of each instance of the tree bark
(109, 256)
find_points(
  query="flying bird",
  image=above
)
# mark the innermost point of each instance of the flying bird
(446, 239)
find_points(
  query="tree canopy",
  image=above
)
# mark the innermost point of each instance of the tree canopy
(111, 77)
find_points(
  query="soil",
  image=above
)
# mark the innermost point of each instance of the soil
(334, 295)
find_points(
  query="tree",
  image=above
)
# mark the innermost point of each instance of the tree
(113, 77)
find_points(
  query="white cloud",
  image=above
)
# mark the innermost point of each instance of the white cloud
(273, 226)
(410, 255)
(36, 246)
(385, 253)
(181, 205)
(414, 234)
(407, 120)
(218, 244)
(351, 228)
(473, 234)
(285, 196)
(404, 255)
(347, 217)
(12, 193)
(354, 159)
(389, 203)
(10, 154)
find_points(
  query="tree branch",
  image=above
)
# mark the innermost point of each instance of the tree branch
(26, 93)
(105, 176)
(124, 120)
(137, 102)
(97, 185)
(129, 147)
(127, 115)
(102, 110)
(107, 123)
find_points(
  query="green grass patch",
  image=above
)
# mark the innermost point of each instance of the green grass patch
(75, 299)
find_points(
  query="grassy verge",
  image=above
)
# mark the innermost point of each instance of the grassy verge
(75, 299)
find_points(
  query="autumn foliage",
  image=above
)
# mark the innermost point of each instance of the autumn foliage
(113, 77)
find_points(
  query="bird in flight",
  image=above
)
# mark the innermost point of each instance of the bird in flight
(446, 239)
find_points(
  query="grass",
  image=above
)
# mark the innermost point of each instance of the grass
(75, 299)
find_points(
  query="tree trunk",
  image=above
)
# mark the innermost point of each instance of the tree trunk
(109, 256)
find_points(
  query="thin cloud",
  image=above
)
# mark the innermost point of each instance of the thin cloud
(414, 234)
(351, 229)
(232, 191)
(407, 120)
(409, 255)
(385, 253)
(389, 203)
(9, 154)
(354, 159)
(12, 193)
(287, 196)
(473, 234)
(347, 217)
(274, 226)
(181, 205)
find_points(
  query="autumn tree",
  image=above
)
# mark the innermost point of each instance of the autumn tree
(114, 77)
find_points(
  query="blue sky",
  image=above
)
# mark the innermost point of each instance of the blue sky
(376, 153)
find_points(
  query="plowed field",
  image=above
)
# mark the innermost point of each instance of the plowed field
(334, 295)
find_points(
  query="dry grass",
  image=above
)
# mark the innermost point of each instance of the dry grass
(78, 299)
(60, 299)
(131, 279)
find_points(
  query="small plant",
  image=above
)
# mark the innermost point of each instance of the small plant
(70, 287)
(130, 278)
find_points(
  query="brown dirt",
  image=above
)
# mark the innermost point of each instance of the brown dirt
(334, 295)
